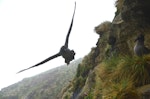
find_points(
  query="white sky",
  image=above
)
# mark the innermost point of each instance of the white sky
(33, 30)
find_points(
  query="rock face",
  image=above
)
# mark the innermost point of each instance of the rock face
(116, 41)
(132, 18)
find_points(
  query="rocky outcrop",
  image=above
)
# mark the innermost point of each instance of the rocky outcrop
(112, 70)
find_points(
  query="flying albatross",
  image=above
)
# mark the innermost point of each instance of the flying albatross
(65, 52)
(139, 48)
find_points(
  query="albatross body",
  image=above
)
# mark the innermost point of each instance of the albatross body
(65, 52)
(139, 48)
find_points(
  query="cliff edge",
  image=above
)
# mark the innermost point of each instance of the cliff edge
(112, 70)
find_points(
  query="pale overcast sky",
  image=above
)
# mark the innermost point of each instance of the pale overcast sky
(33, 30)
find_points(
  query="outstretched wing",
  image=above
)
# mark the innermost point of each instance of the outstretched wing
(44, 61)
(67, 38)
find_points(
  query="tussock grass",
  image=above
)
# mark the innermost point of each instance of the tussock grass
(121, 75)
(122, 90)
(103, 27)
(108, 68)
(136, 69)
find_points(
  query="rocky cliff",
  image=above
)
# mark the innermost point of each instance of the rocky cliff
(112, 70)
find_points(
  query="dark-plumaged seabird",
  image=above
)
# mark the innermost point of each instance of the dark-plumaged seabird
(65, 52)
(139, 48)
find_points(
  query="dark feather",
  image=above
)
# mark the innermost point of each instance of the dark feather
(44, 61)
(140, 48)
(70, 28)
(64, 50)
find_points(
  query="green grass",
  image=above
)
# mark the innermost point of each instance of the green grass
(121, 75)
(135, 69)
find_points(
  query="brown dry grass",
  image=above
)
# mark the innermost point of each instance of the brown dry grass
(103, 27)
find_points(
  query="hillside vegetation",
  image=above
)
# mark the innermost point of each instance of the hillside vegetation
(43, 86)
(112, 70)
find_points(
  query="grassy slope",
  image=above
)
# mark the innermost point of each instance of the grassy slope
(43, 86)
(113, 71)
